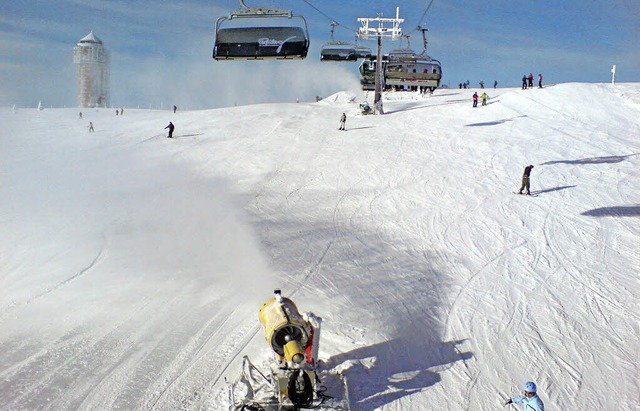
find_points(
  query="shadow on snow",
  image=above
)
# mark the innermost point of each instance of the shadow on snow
(370, 285)
(615, 211)
(493, 123)
(593, 160)
(408, 107)
(382, 373)
(548, 190)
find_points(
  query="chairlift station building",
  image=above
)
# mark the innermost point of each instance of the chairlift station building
(93, 72)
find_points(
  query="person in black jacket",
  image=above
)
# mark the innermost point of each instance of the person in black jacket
(525, 179)
(170, 127)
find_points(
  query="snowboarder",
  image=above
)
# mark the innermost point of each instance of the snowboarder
(475, 99)
(90, 127)
(539, 80)
(174, 108)
(525, 179)
(481, 84)
(170, 127)
(343, 121)
(530, 80)
(495, 84)
(484, 96)
(530, 398)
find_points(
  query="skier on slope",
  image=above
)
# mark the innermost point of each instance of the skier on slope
(484, 97)
(525, 179)
(529, 398)
(343, 121)
(475, 99)
(170, 127)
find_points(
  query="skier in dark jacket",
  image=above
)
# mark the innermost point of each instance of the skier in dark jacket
(170, 127)
(524, 82)
(475, 99)
(525, 179)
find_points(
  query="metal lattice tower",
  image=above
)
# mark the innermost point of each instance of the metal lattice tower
(378, 28)
(93, 72)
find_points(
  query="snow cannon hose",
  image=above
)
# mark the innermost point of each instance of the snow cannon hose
(300, 389)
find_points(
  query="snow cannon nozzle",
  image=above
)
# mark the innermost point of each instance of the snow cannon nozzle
(285, 329)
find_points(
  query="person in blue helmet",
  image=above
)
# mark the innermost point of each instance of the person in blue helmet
(530, 398)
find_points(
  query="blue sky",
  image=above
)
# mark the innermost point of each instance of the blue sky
(161, 50)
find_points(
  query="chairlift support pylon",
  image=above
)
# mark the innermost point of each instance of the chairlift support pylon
(379, 27)
(260, 42)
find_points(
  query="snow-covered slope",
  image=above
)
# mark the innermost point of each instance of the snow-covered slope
(132, 266)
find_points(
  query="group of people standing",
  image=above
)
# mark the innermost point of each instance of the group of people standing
(481, 83)
(483, 96)
(527, 81)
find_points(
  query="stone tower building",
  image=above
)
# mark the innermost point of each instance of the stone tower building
(93, 72)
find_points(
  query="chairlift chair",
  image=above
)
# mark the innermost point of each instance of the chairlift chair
(363, 52)
(406, 68)
(260, 42)
(337, 50)
(412, 70)
(368, 72)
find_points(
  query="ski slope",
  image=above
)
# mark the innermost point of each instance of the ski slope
(132, 266)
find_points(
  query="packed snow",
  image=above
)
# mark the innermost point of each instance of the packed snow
(133, 266)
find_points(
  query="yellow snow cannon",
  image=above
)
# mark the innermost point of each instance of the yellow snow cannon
(285, 330)
(294, 338)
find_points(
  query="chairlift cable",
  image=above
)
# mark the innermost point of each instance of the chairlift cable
(329, 17)
(423, 16)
